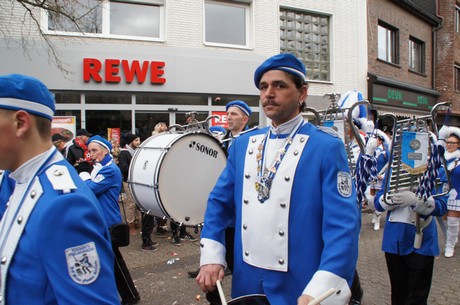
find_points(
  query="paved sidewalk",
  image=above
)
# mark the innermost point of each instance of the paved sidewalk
(162, 279)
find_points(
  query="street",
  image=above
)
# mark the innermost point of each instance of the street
(161, 276)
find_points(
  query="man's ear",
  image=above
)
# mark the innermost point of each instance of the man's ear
(22, 121)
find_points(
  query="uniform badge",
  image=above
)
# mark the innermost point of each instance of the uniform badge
(344, 184)
(83, 263)
(99, 178)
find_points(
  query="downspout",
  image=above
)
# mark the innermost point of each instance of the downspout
(435, 46)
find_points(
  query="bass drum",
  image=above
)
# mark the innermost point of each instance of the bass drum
(171, 175)
(252, 299)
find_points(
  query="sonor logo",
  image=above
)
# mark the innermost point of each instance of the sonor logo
(203, 149)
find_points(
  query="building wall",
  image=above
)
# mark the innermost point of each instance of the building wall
(408, 25)
(447, 54)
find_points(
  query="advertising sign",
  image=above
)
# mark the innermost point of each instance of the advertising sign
(65, 126)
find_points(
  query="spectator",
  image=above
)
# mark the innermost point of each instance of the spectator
(78, 155)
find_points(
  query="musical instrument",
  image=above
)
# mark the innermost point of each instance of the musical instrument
(341, 120)
(172, 173)
(251, 299)
(411, 150)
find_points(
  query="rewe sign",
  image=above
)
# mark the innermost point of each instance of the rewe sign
(116, 70)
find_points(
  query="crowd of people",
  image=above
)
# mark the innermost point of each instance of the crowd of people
(287, 189)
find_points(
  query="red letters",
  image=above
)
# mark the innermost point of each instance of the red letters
(114, 70)
(91, 68)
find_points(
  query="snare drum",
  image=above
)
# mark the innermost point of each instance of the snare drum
(171, 175)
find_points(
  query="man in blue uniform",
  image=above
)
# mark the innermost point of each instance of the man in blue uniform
(54, 242)
(288, 190)
(105, 181)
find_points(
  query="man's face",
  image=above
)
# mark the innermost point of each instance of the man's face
(84, 139)
(136, 143)
(96, 151)
(236, 120)
(279, 96)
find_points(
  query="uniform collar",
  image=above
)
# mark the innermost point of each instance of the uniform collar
(28, 169)
(286, 128)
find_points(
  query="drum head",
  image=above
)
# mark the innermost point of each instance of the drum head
(252, 299)
(187, 174)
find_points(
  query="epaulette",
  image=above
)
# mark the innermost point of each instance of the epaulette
(60, 178)
(329, 131)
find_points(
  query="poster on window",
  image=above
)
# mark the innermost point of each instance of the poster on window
(221, 119)
(65, 126)
(114, 135)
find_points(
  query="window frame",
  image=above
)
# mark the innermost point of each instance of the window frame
(391, 43)
(457, 18)
(248, 7)
(422, 55)
(105, 6)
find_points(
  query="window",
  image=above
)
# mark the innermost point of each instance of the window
(306, 35)
(142, 19)
(388, 43)
(457, 77)
(457, 19)
(416, 55)
(227, 23)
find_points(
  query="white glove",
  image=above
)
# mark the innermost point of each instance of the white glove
(371, 146)
(405, 198)
(85, 176)
(425, 207)
(444, 132)
(368, 126)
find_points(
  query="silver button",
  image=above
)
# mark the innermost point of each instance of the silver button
(20, 219)
(281, 232)
(282, 204)
(412, 221)
(302, 139)
(247, 176)
(4, 259)
(246, 201)
(201, 245)
(246, 253)
(245, 226)
(287, 178)
(58, 172)
(33, 194)
(253, 140)
(296, 152)
(250, 151)
(281, 261)
(391, 218)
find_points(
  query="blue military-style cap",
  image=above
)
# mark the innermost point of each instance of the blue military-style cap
(284, 62)
(22, 92)
(240, 105)
(101, 141)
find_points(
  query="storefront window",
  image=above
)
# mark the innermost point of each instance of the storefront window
(98, 121)
(75, 113)
(170, 99)
(67, 98)
(107, 98)
(145, 123)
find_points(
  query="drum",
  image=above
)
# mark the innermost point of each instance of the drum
(252, 299)
(172, 174)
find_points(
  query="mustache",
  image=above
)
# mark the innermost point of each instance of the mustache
(269, 102)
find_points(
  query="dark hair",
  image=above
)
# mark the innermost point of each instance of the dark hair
(299, 82)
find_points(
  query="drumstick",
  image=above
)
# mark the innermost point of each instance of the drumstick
(322, 297)
(221, 293)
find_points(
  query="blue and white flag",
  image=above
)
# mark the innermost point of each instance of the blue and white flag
(414, 151)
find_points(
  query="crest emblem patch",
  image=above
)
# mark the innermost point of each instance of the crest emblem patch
(83, 263)
(344, 184)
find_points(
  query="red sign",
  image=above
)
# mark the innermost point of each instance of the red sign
(221, 121)
(114, 70)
